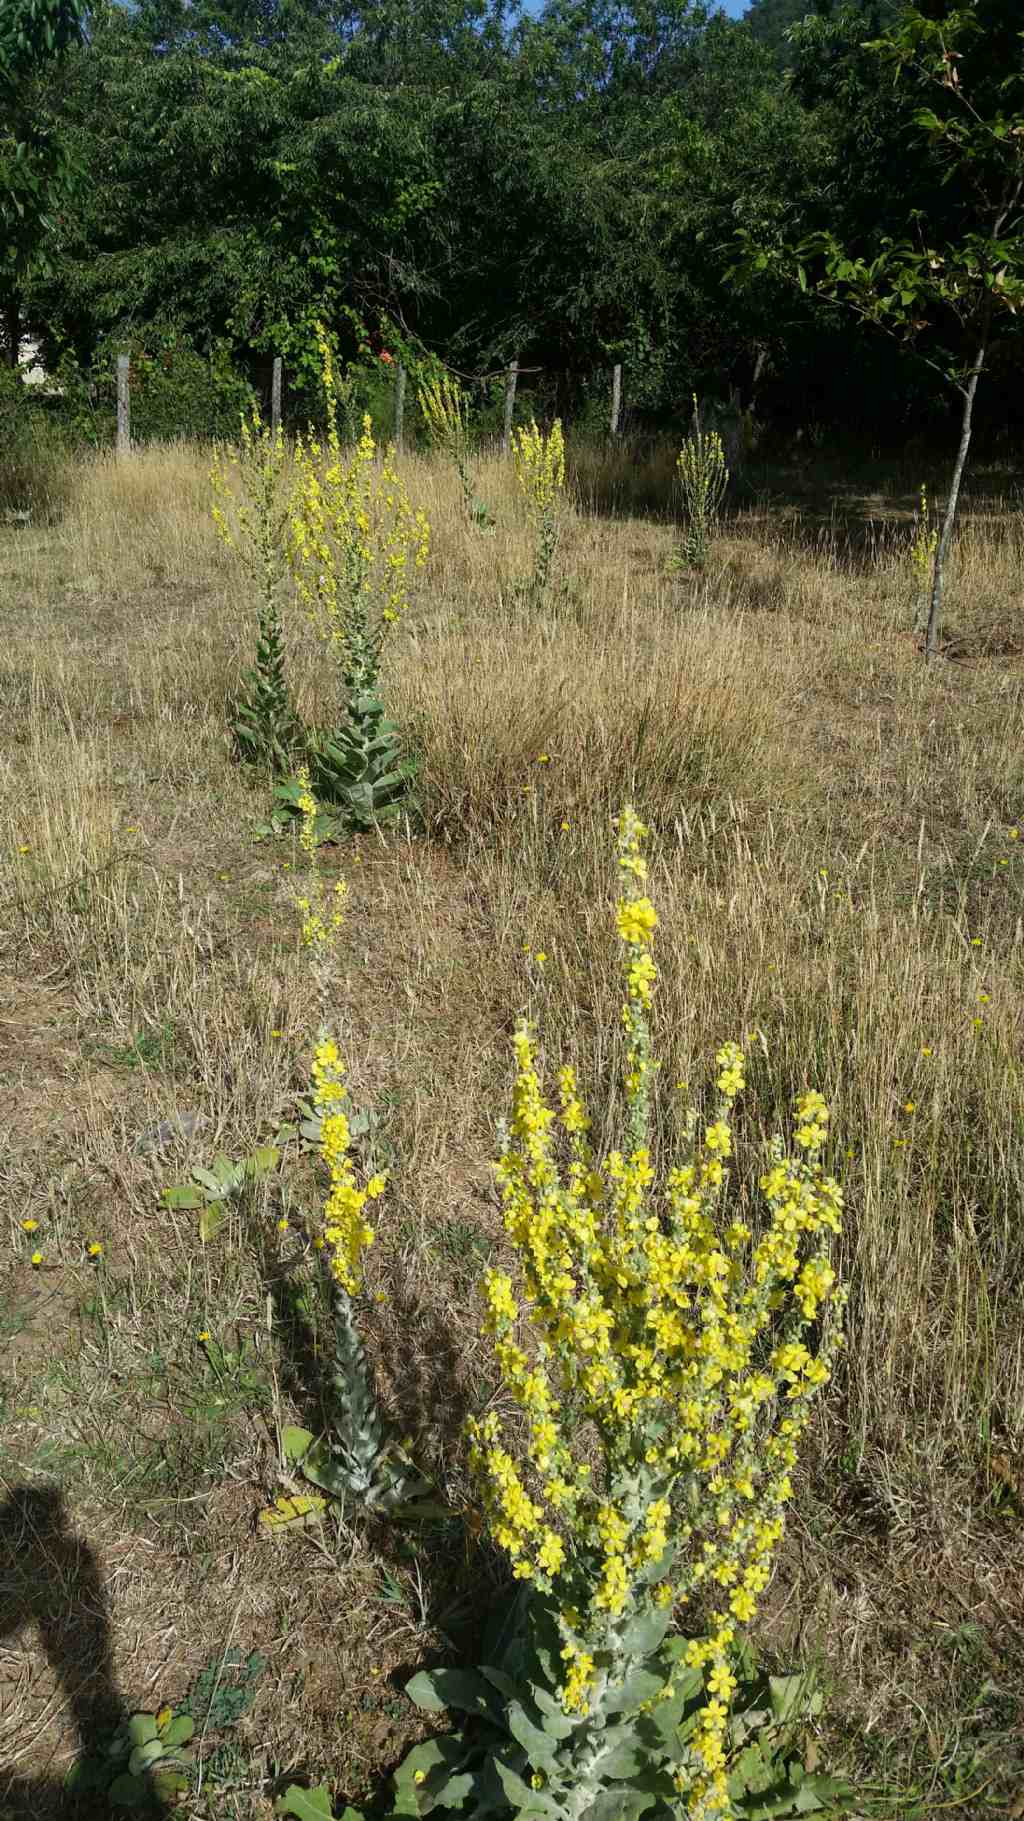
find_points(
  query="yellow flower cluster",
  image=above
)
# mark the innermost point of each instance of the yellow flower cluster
(539, 463)
(353, 536)
(246, 489)
(703, 474)
(346, 1233)
(578, 1679)
(322, 913)
(922, 549)
(443, 405)
(668, 1333)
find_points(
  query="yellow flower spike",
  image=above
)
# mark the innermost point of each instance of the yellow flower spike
(346, 1234)
(351, 532)
(649, 1312)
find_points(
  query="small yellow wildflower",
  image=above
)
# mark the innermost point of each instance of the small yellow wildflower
(30, 1226)
(637, 919)
(95, 1249)
(37, 1258)
(203, 1335)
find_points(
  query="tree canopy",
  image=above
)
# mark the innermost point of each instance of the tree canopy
(566, 187)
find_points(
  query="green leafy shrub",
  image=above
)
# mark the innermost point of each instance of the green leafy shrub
(174, 390)
(35, 481)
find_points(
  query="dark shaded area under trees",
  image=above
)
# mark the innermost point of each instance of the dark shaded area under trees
(565, 188)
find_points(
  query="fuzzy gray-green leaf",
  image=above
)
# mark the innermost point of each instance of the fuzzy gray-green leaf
(539, 1746)
(295, 1442)
(619, 1804)
(180, 1196)
(437, 1689)
(640, 1685)
(145, 1755)
(305, 1804)
(180, 1730)
(437, 1763)
(641, 1636)
(525, 1799)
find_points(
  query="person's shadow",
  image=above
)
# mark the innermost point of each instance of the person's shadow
(51, 1587)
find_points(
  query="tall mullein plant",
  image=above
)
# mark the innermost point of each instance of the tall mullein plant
(539, 464)
(355, 544)
(442, 405)
(663, 1394)
(357, 1458)
(922, 559)
(703, 478)
(250, 511)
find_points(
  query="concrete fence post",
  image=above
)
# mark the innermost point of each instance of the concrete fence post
(616, 397)
(124, 423)
(510, 405)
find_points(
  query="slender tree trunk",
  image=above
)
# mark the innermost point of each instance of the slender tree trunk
(946, 537)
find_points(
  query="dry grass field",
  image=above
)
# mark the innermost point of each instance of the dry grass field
(837, 857)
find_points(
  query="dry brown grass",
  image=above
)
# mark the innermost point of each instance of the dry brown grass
(832, 861)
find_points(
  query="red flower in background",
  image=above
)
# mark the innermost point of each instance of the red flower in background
(385, 356)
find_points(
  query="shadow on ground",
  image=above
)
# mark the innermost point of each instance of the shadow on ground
(51, 1586)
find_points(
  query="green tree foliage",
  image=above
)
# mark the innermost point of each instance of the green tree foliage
(36, 173)
(483, 182)
(951, 284)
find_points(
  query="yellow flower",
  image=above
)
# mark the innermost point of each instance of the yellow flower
(95, 1249)
(37, 1258)
(636, 919)
(743, 1604)
(203, 1335)
(30, 1226)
